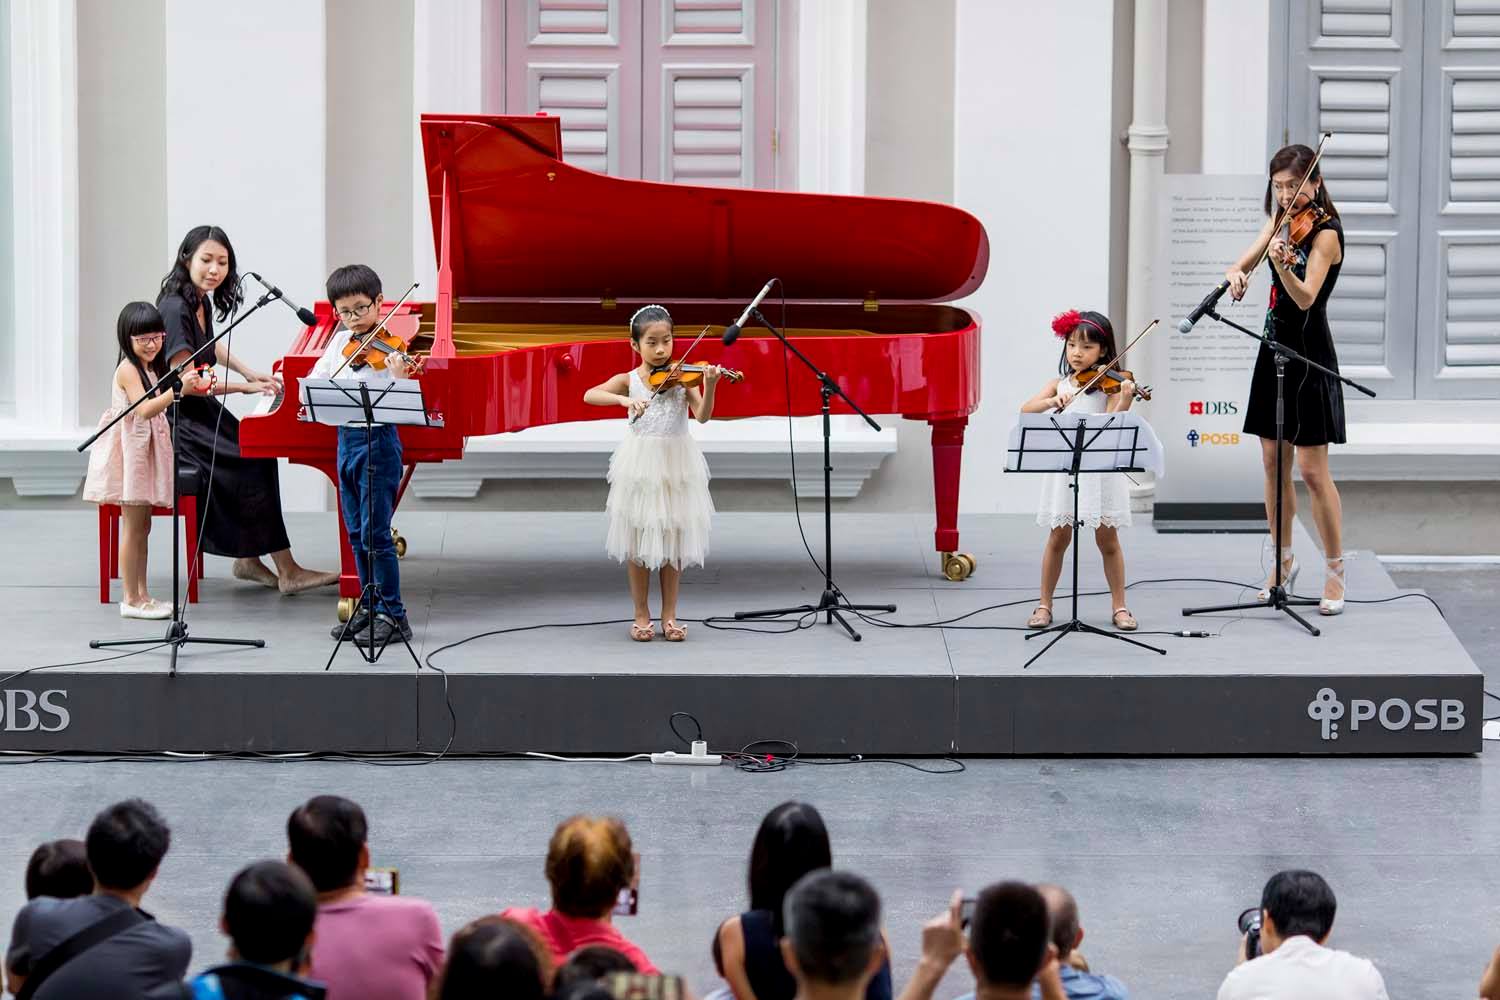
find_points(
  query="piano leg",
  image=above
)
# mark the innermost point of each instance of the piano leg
(947, 459)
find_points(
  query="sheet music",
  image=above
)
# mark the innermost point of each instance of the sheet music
(1112, 441)
(338, 401)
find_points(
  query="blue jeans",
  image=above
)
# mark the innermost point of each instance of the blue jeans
(382, 461)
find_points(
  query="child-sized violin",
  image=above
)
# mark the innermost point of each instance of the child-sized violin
(1109, 381)
(688, 376)
(379, 345)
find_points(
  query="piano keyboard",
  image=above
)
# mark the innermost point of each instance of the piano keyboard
(269, 403)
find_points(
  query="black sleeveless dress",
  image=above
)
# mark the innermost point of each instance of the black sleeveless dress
(1314, 411)
(767, 973)
(239, 512)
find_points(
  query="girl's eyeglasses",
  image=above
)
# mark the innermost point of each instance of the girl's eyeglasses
(148, 338)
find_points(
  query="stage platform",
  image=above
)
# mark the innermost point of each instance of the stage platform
(1382, 679)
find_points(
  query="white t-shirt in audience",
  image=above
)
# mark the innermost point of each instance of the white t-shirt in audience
(1302, 969)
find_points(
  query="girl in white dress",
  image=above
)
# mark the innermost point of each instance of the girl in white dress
(1103, 498)
(659, 505)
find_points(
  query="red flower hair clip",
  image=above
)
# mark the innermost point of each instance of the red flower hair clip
(1065, 323)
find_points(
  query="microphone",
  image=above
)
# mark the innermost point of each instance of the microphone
(1207, 305)
(305, 315)
(732, 332)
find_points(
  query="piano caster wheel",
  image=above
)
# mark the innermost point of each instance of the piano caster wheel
(346, 608)
(958, 566)
(400, 543)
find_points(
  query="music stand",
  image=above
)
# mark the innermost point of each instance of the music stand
(339, 402)
(1082, 444)
(833, 602)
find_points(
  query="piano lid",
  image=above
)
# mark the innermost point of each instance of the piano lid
(527, 225)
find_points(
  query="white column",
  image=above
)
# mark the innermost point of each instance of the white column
(831, 96)
(44, 139)
(447, 78)
(1032, 148)
(246, 140)
(1236, 82)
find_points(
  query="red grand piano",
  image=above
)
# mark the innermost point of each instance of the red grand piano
(540, 265)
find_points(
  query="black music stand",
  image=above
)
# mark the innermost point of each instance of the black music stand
(833, 601)
(1280, 598)
(344, 401)
(1060, 443)
(177, 630)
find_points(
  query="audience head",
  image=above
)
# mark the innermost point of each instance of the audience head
(791, 842)
(125, 845)
(326, 835)
(492, 957)
(832, 922)
(269, 912)
(59, 868)
(1062, 913)
(590, 964)
(588, 862)
(1008, 936)
(1295, 902)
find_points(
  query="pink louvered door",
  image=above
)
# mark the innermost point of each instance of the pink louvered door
(669, 90)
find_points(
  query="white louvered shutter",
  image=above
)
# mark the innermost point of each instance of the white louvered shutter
(1352, 70)
(579, 60)
(1460, 238)
(709, 92)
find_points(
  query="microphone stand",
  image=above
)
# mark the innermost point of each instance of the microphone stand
(833, 601)
(177, 630)
(1280, 598)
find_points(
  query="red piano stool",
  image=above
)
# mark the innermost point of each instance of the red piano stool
(109, 545)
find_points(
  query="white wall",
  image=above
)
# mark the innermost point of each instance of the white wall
(1032, 156)
(1236, 64)
(245, 135)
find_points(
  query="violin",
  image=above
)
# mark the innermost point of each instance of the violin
(1109, 381)
(1300, 225)
(669, 376)
(377, 350)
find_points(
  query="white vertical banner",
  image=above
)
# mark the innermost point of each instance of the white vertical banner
(1198, 406)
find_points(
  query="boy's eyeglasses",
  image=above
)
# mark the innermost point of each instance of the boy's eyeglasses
(148, 338)
(357, 312)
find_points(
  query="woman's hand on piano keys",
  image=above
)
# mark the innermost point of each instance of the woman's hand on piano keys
(262, 385)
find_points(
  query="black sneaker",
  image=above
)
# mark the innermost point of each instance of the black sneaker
(387, 629)
(361, 620)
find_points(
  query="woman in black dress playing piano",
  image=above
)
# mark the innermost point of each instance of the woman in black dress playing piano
(239, 499)
(1302, 279)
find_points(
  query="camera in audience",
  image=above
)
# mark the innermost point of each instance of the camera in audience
(1249, 925)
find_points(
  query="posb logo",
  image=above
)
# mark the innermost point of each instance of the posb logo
(1213, 408)
(23, 711)
(1194, 438)
(1393, 714)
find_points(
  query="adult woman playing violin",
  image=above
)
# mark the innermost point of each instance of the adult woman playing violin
(1305, 259)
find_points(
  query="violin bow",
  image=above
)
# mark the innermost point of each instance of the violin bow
(369, 338)
(1118, 358)
(1286, 213)
(676, 366)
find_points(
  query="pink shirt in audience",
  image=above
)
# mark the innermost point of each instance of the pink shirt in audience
(376, 948)
(565, 935)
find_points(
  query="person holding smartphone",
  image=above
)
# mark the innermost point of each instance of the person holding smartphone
(594, 875)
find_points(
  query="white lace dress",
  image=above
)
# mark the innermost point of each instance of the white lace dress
(1103, 497)
(659, 505)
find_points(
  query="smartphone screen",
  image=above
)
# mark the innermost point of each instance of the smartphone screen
(636, 986)
(965, 912)
(384, 881)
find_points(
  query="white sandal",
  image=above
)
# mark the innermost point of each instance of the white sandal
(1328, 605)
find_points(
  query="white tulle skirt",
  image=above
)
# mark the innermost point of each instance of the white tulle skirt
(659, 506)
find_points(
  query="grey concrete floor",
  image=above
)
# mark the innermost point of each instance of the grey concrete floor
(1161, 853)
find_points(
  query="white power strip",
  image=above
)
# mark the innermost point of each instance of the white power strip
(700, 756)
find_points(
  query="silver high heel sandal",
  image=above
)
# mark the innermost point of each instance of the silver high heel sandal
(1330, 606)
(1289, 571)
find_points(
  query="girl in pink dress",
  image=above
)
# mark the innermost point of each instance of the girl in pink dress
(131, 465)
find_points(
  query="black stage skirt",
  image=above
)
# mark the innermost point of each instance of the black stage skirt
(239, 499)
